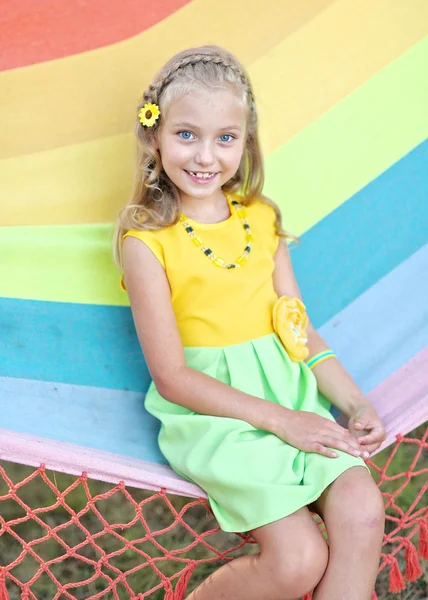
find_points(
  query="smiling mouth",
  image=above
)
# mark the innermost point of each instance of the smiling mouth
(201, 175)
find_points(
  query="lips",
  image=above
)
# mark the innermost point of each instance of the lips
(201, 177)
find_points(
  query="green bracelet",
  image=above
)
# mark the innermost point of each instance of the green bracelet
(319, 358)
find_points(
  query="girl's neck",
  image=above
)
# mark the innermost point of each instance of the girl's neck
(207, 210)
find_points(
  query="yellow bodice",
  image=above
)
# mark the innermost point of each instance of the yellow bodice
(215, 306)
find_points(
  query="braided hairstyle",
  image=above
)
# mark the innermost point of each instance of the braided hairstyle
(233, 71)
(155, 202)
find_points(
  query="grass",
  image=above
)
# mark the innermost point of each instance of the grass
(127, 518)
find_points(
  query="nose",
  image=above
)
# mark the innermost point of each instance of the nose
(205, 154)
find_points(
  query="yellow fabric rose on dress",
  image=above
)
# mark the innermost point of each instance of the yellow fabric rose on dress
(290, 322)
(149, 114)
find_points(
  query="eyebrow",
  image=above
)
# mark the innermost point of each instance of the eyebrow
(192, 126)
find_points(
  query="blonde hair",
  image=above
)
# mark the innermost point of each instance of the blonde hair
(155, 200)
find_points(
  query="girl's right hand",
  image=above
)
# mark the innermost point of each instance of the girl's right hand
(309, 432)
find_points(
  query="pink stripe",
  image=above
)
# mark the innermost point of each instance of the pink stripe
(105, 466)
(401, 401)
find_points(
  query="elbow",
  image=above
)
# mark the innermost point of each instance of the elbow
(163, 386)
(167, 382)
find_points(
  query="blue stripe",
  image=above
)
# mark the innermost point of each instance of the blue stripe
(373, 336)
(365, 238)
(98, 418)
(97, 345)
(386, 326)
(315, 359)
(82, 344)
(338, 260)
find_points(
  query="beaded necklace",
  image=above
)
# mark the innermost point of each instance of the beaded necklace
(216, 260)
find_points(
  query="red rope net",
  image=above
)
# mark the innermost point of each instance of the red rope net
(66, 537)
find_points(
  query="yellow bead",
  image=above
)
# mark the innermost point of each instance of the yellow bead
(241, 213)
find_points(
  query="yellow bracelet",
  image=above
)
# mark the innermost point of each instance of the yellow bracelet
(319, 358)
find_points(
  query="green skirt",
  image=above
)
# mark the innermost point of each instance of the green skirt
(251, 476)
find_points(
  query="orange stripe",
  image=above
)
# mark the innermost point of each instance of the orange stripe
(34, 32)
(81, 98)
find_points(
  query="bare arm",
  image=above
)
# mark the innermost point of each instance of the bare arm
(157, 331)
(332, 378)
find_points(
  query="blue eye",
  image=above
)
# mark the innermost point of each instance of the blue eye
(185, 135)
(226, 137)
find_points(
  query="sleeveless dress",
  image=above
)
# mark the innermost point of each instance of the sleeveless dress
(224, 318)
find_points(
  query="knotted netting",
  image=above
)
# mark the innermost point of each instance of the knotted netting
(71, 537)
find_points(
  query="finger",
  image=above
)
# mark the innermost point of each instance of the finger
(341, 444)
(376, 435)
(372, 448)
(359, 416)
(335, 427)
(353, 441)
(340, 432)
(354, 446)
(358, 434)
(324, 451)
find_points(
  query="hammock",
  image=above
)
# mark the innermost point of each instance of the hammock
(347, 165)
(73, 380)
(72, 393)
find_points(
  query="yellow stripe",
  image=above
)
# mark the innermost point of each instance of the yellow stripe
(323, 62)
(354, 142)
(85, 183)
(340, 153)
(313, 66)
(91, 95)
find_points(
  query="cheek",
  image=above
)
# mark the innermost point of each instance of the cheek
(174, 154)
(234, 156)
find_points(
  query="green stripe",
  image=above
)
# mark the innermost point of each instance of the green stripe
(321, 168)
(319, 356)
(74, 263)
(359, 138)
(64, 263)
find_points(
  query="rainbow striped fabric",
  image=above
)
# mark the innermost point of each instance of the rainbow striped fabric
(342, 94)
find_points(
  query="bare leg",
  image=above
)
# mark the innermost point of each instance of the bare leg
(353, 512)
(292, 559)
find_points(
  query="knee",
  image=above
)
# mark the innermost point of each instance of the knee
(297, 572)
(361, 508)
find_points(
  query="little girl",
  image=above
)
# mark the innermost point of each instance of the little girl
(242, 383)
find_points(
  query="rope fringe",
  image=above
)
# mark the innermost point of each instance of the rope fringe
(396, 580)
(154, 542)
(3, 591)
(413, 567)
(423, 540)
(183, 582)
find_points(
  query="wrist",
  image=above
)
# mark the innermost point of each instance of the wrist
(273, 418)
(357, 402)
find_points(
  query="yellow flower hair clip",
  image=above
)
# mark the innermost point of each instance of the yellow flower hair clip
(149, 114)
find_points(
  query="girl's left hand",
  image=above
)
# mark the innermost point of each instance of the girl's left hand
(366, 426)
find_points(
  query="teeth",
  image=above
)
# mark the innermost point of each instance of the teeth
(202, 175)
